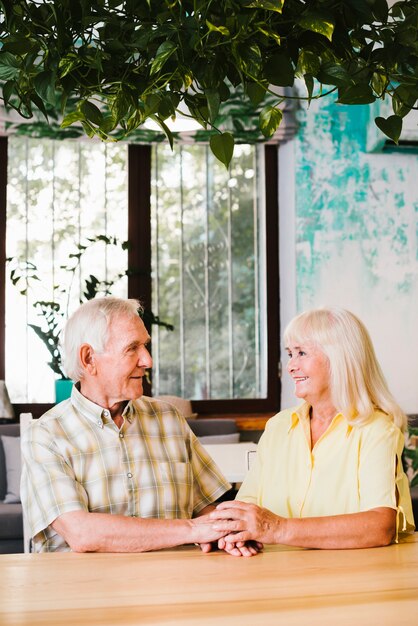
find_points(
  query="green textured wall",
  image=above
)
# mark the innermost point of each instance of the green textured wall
(356, 229)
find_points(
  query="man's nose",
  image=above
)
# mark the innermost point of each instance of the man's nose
(144, 357)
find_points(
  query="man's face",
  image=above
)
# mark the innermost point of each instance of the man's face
(121, 367)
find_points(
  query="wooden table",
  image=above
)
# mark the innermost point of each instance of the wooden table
(282, 586)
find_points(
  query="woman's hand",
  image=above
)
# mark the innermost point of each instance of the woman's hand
(246, 522)
(240, 548)
(239, 521)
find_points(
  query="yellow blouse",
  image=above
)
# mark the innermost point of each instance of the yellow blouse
(350, 468)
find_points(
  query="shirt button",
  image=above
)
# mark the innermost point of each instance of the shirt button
(106, 413)
(129, 475)
(121, 435)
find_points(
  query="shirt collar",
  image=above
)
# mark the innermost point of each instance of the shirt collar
(95, 413)
(301, 414)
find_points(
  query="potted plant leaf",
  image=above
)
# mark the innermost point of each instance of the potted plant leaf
(410, 455)
(53, 313)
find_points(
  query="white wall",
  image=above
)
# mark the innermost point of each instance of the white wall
(348, 236)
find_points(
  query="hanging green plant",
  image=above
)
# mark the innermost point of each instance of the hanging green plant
(110, 65)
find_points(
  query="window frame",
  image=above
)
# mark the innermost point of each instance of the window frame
(139, 283)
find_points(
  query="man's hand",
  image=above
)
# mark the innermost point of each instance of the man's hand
(204, 533)
(241, 522)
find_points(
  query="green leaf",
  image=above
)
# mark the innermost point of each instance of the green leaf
(120, 105)
(249, 59)
(152, 102)
(356, 94)
(222, 146)
(9, 88)
(198, 108)
(45, 86)
(279, 70)
(39, 103)
(168, 104)
(218, 29)
(308, 63)
(214, 101)
(256, 92)
(270, 118)
(380, 10)
(391, 126)
(71, 118)
(19, 46)
(69, 63)
(403, 100)
(165, 129)
(91, 112)
(164, 52)
(379, 83)
(270, 34)
(318, 24)
(334, 74)
(9, 66)
(187, 77)
(267, 5)
(309, 82)
(108, 124)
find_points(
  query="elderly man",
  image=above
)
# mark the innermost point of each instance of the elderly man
(109, 470)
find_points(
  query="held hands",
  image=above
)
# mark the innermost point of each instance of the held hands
(240, 522)
(204, 533)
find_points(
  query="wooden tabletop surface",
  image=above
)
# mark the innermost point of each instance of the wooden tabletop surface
(281, 586)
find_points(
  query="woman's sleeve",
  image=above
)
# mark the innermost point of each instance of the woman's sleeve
(382, 482)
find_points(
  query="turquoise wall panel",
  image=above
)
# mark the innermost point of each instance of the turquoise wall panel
(357, 233)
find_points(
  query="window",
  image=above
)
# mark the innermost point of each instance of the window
(60, 194)
(203, 253)
(213, 260)
(208, 273)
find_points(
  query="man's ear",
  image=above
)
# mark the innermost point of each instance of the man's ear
(87, 358)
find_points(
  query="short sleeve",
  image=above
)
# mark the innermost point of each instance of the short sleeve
(382, 482)
(208, 481)
(48, 484)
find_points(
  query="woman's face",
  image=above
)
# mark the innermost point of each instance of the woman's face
(309, 368)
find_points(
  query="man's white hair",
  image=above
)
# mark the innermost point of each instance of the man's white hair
(90, 324)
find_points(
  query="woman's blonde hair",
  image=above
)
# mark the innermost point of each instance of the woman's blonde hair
(358, 386)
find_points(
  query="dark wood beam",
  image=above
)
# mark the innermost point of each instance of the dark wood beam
(3, 215)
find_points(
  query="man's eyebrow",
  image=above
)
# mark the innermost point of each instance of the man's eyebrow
(137, 342)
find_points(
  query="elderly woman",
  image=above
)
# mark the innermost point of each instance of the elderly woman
(328, 473)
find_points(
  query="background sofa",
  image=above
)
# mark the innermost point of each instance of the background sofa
(11, 521)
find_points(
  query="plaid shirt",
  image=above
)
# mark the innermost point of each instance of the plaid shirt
(75, 458)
